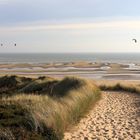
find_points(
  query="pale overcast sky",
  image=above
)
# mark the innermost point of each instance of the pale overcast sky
(69, 25)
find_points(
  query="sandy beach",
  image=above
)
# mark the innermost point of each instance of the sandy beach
(92, 70)
(115, 117)
(69, 70)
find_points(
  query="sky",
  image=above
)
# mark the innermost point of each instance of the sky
(69, 26)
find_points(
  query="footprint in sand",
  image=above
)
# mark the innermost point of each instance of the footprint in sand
(115, 117)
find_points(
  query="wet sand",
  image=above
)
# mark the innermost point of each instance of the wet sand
(92, 70)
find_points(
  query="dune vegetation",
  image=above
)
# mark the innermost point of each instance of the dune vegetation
(43, 108)
(121, 87)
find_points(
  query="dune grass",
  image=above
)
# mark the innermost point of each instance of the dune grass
(45, 108)
(120, 87)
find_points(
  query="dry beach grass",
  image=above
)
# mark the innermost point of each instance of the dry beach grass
(43, 108)
(116, 116)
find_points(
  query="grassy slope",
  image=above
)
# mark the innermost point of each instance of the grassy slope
(132, 88)
(43, 108)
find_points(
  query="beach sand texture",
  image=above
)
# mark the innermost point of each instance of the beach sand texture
(115, 117)
(92, 70)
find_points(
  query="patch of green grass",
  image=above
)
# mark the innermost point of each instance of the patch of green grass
(62, 87)
(10, 84)
(13, 81)
(8, 81)
(36, 87)
(52, 87)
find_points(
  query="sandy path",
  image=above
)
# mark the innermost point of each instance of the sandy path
(115, 117)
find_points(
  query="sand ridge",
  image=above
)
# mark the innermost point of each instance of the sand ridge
(92, 70)
(115, 117)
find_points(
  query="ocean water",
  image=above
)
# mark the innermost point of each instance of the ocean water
(69, 57)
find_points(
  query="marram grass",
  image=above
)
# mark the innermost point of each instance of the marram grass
(47, 113)
(120, 87)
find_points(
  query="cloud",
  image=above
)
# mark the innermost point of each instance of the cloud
(75, 26)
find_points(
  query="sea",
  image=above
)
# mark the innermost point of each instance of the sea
(69, 57)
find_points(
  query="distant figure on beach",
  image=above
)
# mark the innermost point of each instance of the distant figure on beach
(2, 44)
(134, 40)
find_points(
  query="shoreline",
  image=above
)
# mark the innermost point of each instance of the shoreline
(91, 70)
